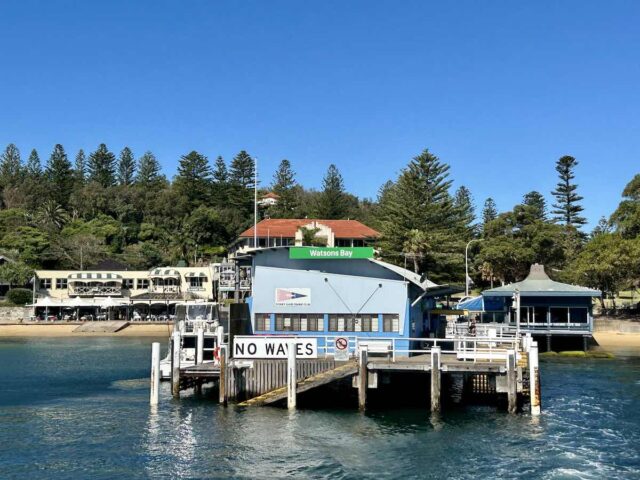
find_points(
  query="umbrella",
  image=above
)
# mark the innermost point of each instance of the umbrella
(77, 302)
(46, 302)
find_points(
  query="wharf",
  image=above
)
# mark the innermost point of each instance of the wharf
(502, 367)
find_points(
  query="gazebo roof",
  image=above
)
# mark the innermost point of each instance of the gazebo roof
(538, 284)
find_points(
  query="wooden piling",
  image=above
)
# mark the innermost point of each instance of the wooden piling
(548, 343)
(200, 346)
(291, 376)
(435, 379)
(175, 364)
(155, 373)
(534, 379)
(512, 377)
(222, 379)
(363, 379)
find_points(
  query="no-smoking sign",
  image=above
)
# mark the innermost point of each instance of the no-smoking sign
(342, 349)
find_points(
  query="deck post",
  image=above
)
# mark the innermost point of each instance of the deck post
(291, 376)
(548, 343)
(363, 379)
(222, 379)
(175, 364)
(512, 393)
(585, 343)
(200, 346)
(534, 379)
(155, 374)
(220, 335)
(435, 379)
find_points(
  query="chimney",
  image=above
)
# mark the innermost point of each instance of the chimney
(537, 272)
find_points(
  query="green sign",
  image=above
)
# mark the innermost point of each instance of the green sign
(330, 253)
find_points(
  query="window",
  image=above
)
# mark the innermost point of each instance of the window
(196, 282)
(391, 323)
(263, 321)
(142, 283)
(61, 283)
(540, 315)
(127, 283)
(366, 323)
(348, 323)
(578, 315)
(304, 322)
(45, 283)
(559, 314)
(343, 242)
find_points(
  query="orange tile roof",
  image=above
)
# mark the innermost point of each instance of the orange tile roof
(287, 228)
(271, 195)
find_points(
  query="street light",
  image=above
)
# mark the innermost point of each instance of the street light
(466, 265)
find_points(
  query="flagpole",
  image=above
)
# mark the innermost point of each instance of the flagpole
(255, 204)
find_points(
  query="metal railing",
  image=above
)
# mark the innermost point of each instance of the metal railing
(466, 329)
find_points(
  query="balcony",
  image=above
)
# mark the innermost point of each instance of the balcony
(94, 291)
(164, 288)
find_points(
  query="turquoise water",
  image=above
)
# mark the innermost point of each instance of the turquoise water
(78, 408)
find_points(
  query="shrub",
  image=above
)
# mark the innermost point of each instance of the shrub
(19, 296)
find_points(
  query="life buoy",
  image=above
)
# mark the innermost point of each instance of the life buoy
(216, 354)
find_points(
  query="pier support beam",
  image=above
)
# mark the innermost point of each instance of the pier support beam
(222, 379)
(175, 364)
(512, 386)
(436, 382)
(363, 379)
(534, 379)
(548, 343)
(292, 381)
(585, 343)
(155, 374)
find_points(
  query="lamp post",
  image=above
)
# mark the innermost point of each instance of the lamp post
(466, 265)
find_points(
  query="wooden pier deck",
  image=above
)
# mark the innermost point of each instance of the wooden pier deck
(308, 383)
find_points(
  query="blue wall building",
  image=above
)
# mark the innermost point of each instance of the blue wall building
(322, 294)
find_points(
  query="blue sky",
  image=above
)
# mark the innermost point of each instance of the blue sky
(499, 90)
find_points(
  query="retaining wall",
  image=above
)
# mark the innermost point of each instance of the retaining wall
(608, 324)
(14, 314)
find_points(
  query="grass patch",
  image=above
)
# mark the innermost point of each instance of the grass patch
(597, 354)
(573, 354)
(548, 354)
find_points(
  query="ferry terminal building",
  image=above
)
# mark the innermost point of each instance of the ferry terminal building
(339, 291)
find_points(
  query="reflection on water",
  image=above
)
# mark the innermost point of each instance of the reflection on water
(78, 408)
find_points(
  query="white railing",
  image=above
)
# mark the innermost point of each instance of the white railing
(88, 290)
(164, 289)
(466, 329)
(465, 348)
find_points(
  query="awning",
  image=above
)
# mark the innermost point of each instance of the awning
(475, 304)
(104, 277)
(164, 273)
(196, 275)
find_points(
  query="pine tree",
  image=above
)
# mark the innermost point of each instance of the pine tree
(241, 183)
(536, 205)
(60, 176)
(148, 170)
(220, 182)
(10, 167)
(102, 166)
(419, 207)
(194, 178)
(332, 201)
(80, 168)
(489, 211)
(567, 208)
(284, 184)
(465, 211)
(34, 166)
(126, 167)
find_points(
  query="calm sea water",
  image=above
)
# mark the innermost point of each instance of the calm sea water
(78, 408)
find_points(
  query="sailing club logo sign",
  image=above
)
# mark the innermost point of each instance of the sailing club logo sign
(293, 296)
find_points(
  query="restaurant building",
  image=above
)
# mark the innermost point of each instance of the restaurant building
(279, 232)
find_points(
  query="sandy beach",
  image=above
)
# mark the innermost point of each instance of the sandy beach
(617, 339)
(67, 330)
